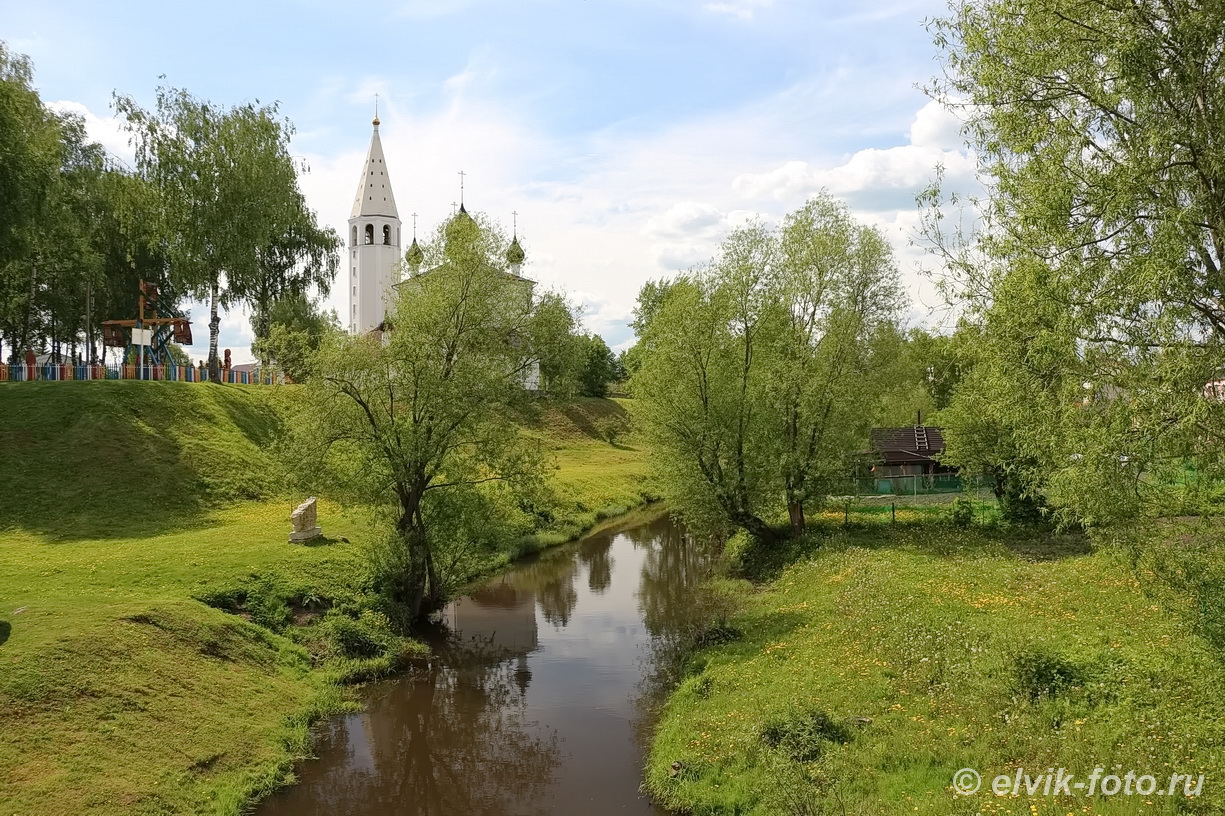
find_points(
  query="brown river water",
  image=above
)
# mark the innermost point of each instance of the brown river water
(536, 699)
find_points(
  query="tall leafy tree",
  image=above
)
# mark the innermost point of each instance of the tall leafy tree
(839, 299)
(760, 373)
(30, 157)
(416, 421)
(230, 212)
(1099, 125)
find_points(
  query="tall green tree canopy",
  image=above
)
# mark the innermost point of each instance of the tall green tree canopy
(415, 421)
(229, 211)
(1099, 288)
(759, 374)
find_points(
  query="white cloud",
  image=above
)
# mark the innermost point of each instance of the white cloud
(108, 131)
(744, 9)
(936, 126)
(602, 214)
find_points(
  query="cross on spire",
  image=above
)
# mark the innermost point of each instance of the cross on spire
(376, 110)
(515, 221)
(461, 187)
(414, 226)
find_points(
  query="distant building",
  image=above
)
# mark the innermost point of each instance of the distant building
(374, 256)
(374, 242)
(911, 451)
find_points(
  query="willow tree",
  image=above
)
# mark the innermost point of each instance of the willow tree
(1099, 284)
(416, 419)
(229, 211)
(30, 158)
(758, 373)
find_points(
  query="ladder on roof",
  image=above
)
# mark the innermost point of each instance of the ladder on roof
(920, 437)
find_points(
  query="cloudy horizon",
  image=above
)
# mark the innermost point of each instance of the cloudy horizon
(629, 137)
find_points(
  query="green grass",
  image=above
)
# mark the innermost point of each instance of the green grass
(878, 665)
(163, 648)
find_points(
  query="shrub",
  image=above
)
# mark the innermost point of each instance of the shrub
(1037, 674)
(366, 636)
(804, 734)
(963, 512)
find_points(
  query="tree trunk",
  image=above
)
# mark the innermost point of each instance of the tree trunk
(795, 509)
(25, 334)
(214, 330)
(756, 527)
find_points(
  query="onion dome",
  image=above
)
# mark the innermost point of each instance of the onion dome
(515, 254)
(414, 256)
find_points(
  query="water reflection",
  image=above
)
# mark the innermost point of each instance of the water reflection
(526, 705)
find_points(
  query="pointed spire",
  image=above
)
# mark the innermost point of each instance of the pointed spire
(374, 196)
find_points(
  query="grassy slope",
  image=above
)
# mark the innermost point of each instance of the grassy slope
(959, 648)
(120, 693)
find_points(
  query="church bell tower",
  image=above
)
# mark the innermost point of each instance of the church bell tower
(374, 243)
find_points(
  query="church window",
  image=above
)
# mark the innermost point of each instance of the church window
(354, 291)
(386, 234)
(370, 233)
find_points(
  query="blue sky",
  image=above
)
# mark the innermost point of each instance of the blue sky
(629, 135)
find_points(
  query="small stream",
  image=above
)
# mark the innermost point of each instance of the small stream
(536, 699)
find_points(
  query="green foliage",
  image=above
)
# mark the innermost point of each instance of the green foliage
(599, 367)
(1037, 673)
(556, 343)
(761, 373)
(803, 734)
(430, 410)
(962, 512)
(296, 327)
(228, 204)
(1095, 278)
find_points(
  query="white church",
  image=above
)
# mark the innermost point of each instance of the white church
(375, 258)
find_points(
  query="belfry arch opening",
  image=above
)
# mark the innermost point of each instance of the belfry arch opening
(370, 233)
(386, 234)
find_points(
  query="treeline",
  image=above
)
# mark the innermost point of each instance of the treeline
(212, 210)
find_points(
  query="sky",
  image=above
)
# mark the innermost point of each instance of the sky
(629, 135)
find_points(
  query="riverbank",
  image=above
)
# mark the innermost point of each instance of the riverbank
(879, 663)
(163, 649)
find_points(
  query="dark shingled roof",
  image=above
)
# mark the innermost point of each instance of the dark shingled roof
(898, 446)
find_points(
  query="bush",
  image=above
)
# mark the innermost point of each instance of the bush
(1037, 674)
(804, 734)
(611, 428)
(364, 637)
(963, 512)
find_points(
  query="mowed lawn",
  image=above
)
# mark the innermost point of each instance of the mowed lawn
(891, 657)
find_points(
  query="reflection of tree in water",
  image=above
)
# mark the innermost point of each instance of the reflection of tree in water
(596, 555)
(451, 740)
(674, 566)
(551, 579)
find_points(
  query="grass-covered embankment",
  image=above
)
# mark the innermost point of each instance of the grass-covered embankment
(162, 647)
(887, 658)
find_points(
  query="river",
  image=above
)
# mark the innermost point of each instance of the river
(536, 699)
